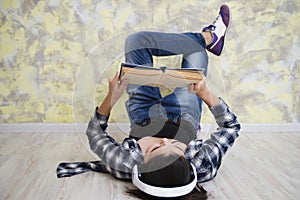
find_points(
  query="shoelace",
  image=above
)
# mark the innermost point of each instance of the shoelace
(213, 25)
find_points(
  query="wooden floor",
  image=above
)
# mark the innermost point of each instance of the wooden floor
(259, 166)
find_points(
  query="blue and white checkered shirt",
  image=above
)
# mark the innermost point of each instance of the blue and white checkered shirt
(119, 158)
(205, 155)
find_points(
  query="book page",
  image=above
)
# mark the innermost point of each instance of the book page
(170, 78)
(180, 77)
(150, 77)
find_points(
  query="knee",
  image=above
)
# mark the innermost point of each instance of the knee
(197, 60)
(135, 40)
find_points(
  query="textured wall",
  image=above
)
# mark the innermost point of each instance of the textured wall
(56, 55)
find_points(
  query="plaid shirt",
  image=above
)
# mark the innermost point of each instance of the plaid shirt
(119, 158)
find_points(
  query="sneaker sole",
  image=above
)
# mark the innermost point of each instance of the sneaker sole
(226, 30)
(224, 43)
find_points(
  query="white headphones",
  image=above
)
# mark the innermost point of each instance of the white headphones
(163, 191)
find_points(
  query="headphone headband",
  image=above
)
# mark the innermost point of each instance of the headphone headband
(163, 191)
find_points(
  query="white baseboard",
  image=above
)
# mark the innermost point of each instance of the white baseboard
(271, 127)
(57, 127)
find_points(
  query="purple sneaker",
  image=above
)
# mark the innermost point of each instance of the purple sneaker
(218, 29)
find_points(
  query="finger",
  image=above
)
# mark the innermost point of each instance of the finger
(124, 81)
(114, 79)
(117, 75)
(191, 87)
(123, 84)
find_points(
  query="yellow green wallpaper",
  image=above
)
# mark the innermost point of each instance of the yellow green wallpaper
(56, 55)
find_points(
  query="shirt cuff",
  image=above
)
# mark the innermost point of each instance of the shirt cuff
(102, 119)
(219, 109)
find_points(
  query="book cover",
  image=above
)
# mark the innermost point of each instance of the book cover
(163, 76)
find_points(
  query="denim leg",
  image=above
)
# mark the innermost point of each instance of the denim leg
(141, 46)
(139, 49)
(181, 103)
(141, 99)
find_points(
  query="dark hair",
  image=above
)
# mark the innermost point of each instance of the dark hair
(169, 170)
(199, 193)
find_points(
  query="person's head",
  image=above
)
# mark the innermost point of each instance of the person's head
(167, 169)
(154, 146)
(165, 164)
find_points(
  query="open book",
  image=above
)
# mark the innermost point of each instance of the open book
(163, 76)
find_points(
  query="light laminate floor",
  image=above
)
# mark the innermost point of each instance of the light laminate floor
(259, 166)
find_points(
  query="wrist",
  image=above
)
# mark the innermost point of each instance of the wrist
(203, 93)
(112, 99)
(208, 97)
(106, 105)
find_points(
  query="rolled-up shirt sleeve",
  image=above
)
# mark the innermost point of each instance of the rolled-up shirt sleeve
(207, 156)
(119, 158)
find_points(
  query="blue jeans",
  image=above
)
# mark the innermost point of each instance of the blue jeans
(146, 102)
